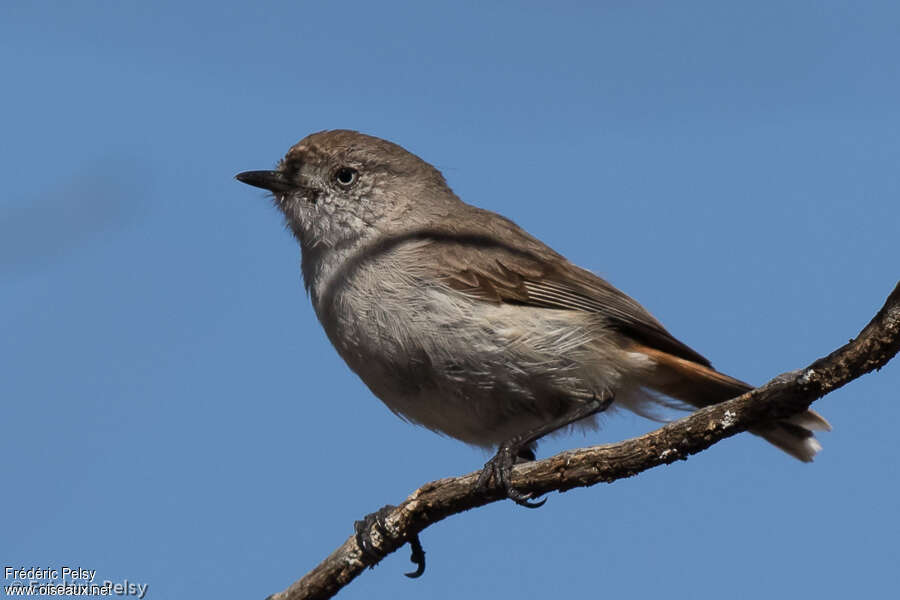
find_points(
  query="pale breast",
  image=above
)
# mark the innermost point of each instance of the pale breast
(474, 370)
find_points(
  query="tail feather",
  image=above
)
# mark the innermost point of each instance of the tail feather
(701, 386)
(797, 441)
(810, 420)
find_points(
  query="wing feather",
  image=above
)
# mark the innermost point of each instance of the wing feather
(525, 271)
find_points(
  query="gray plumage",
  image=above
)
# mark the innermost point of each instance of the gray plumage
(461, 321)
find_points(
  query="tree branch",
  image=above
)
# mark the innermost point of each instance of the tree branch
(785, 395)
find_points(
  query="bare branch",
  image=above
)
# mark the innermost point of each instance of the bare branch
(785, 395)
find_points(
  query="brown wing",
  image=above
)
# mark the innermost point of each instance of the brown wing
(525, 271)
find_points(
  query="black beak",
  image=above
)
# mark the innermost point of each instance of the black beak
(273, 181)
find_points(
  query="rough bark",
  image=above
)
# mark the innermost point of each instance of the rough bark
(783, 396)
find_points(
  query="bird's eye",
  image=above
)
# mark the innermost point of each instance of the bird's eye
(345, 176)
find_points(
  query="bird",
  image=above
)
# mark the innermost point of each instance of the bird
(461, 321)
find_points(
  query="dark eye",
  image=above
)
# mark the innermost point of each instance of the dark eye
(345, 176)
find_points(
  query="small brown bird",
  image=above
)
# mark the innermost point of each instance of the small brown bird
(459, 320)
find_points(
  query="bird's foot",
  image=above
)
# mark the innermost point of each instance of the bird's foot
(371, 550)
(499, 469)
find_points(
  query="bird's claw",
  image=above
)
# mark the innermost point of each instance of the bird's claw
(371, 554)
(499, 469)
(417, 557)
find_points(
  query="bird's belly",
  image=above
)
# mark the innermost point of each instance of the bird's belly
(475, 371)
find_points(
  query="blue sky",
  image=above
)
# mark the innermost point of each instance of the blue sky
(172, 413)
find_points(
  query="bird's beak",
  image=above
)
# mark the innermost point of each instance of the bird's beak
(274, 181)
